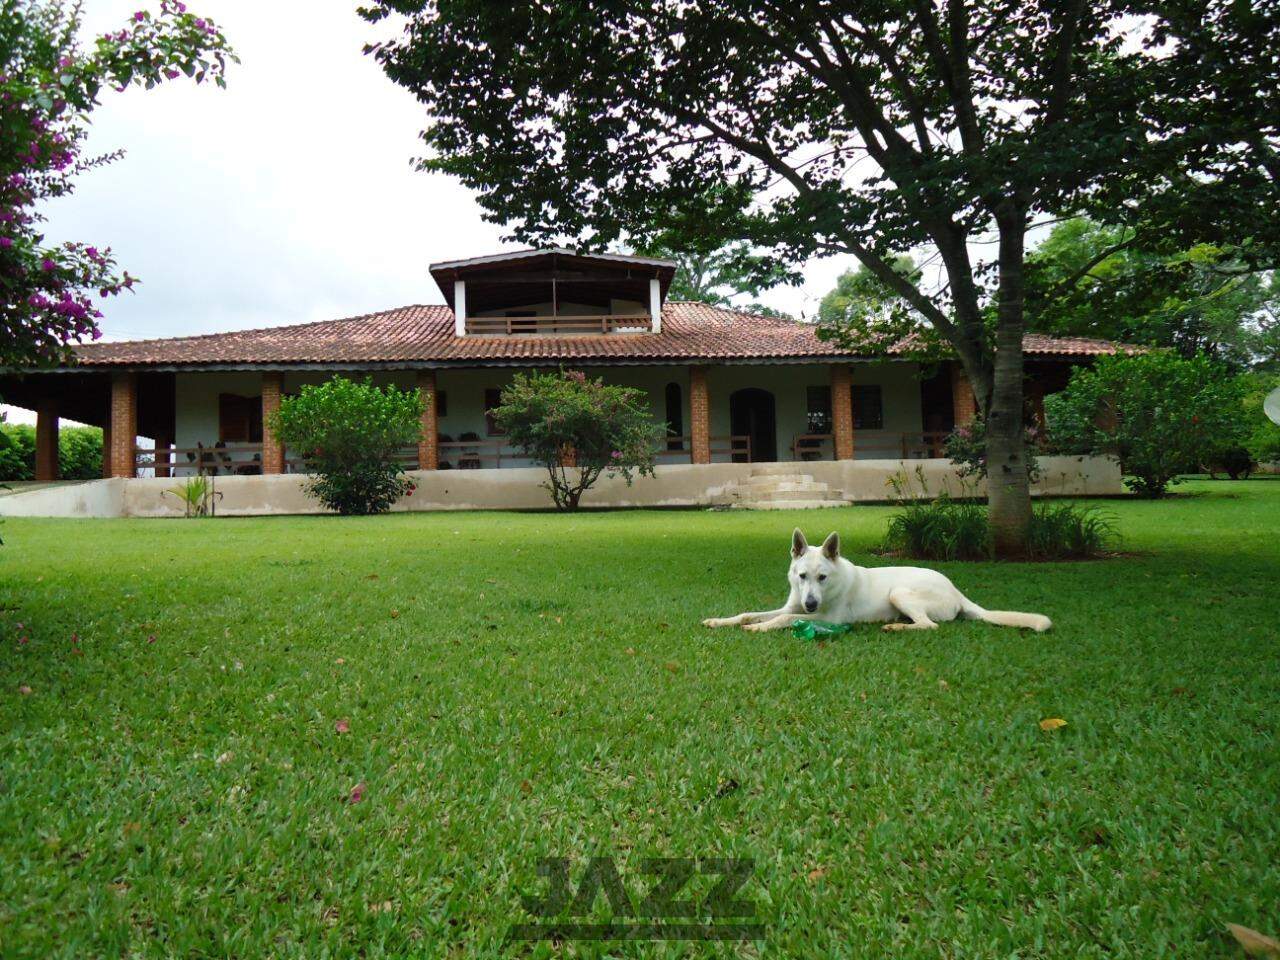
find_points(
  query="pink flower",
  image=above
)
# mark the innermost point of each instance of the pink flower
(617, 454)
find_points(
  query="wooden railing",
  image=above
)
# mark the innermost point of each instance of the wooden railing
(882, 444)
(244, 459)
(732, 445)
(597, 323)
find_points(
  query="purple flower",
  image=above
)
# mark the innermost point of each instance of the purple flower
(5, 243)
(139, 16)
(172, 73)
(48, 266)
(201, 24)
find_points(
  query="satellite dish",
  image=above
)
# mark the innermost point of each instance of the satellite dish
(1272, 405)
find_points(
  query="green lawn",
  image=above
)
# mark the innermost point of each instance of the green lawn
(525, 685)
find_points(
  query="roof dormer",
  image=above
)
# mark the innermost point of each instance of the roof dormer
(555, 292)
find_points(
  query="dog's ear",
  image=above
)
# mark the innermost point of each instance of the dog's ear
(831, 546)
(798, 543)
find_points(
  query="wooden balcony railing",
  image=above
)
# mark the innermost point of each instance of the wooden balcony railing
(599, 323)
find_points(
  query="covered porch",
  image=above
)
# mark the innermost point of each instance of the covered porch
(216, 422)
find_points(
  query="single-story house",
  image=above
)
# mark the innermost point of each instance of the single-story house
(731, 386)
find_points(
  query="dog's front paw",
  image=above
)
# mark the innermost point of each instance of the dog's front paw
(713, 622)
(757, 627)
(894, 626)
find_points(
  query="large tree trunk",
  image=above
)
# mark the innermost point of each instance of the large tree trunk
(1008, 488)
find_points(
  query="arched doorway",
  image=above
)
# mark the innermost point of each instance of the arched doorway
(752, 414)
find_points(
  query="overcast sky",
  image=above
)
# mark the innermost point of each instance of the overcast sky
(287, 197)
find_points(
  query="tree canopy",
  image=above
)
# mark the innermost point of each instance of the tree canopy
(49, 85)
(1202, 299)
(872, 130)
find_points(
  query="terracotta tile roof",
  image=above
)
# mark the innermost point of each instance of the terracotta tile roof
(424, 334)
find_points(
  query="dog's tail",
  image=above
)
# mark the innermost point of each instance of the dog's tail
(1007, 618)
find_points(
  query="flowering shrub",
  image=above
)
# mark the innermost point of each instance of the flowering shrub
(578, 429)
(1159, 413)
(48, 87)
(967, 449)
(351, 435)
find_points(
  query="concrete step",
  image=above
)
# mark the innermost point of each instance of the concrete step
(786, 504)
(767, 478)
(781, 495)
(774, 469)
(781, 486)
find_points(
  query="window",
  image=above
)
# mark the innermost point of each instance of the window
(492, 398)
(239, 419)
(675, 417)
(868, 407)
(819, 409)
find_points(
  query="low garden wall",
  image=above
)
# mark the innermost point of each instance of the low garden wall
(675, 485)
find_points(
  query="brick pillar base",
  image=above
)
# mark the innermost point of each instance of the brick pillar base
(124, 425)
(963, 404)
(272, 448)
(429, 440)
(47, 441)
(699, 416)
(842, 411)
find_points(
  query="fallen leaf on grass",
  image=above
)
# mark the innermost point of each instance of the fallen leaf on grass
(526, 787)
(342, 726)
(1255, 944)
(120, 889)
(24, 690)
(943, 685)
(133, 826)
(340, 661)
(223, 758)
(1052, 723)
(394, 614)
(386, 906)
(817, 873)
(631, 651)
(357, 793)
(671, 666)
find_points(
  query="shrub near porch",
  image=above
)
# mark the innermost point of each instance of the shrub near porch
(522, 685)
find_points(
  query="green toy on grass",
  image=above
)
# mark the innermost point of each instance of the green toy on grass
(818, 629)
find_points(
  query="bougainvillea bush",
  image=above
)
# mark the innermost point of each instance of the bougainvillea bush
(49, 85)
(579, 429)
(351, 436)
(1160, 414)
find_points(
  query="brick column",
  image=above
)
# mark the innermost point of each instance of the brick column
(124, 425)
(106, 445)
(47, 440)
(272, 449)
(963, 404)
(429, 438)
(699, 416)
(163, 456)
(842, 410)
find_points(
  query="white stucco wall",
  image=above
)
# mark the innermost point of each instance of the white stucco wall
(676, 485)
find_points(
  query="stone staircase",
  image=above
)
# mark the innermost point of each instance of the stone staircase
(778, 487)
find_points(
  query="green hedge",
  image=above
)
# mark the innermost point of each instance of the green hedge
(79, 452)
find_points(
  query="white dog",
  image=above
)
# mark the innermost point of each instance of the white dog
(826, 586)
